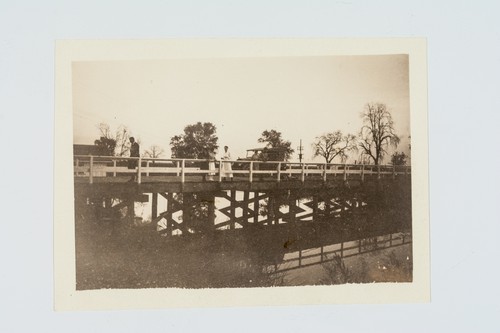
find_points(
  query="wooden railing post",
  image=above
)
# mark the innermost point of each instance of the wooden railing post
(91, 170)
(362, 172)
(279, 172)
(220, 171)
(183, 172)
(378, 171)
(303, 175)
(147, 168)
(393, 172)
(250, 172)
(177, 164)
(114, 168)
(139, 162)
(345, 172)
(324, 171)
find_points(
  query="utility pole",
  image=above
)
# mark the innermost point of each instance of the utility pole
(300, 147)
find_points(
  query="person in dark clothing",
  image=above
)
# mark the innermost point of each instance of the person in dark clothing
(134, 152)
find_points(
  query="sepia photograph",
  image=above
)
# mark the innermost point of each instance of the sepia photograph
(212, 166)
(237, 171)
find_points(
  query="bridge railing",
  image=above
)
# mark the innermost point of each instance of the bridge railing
(88, 166)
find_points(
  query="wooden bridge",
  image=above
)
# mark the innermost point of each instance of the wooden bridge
(258, 193)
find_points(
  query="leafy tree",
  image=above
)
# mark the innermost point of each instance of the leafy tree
(398, 158)
(198, 141)
(106, 146)
(377, 132)
(331, 145)
(273, 139)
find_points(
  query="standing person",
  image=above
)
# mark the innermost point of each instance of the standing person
(134, 152)
(211, 165)
(227, 170)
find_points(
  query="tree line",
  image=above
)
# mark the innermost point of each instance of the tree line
(200, 141)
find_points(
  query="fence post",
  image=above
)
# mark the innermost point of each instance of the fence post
(345, 172)
(139, 162)
(147, 168)
(378, 171)
(220, 171)
(177, 164)
(362, 172)
(324, 171)
(250, 172)
(394, 172)
(114, 168)
(303, 175)
(183, 172)
(91, 170)
(279, 172)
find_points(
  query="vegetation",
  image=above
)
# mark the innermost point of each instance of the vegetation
(331, 145)
(198, 141)
(377, 132)
(106, 145)
(391, 267)
(154, 151)
(398, 158)
(115, 143)
(273, 139)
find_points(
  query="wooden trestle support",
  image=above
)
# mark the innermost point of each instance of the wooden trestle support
(205, 211)
(210, 211)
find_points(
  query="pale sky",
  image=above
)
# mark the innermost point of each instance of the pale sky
(302, 97)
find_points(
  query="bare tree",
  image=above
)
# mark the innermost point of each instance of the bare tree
(120, 136)
(331, 145)
(377, 132)
(154, 151)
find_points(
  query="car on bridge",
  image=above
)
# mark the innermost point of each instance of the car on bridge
(263, 158)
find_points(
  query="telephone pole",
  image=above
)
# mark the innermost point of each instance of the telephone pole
(300, 147)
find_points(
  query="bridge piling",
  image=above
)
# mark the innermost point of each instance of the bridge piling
(314, 207)
(154, 205)
(246, 195)
(232, 224)
(130, 210)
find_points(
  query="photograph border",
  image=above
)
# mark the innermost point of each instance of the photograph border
(66, 296)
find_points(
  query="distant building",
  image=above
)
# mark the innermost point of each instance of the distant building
(82, 165)
(89, 150)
